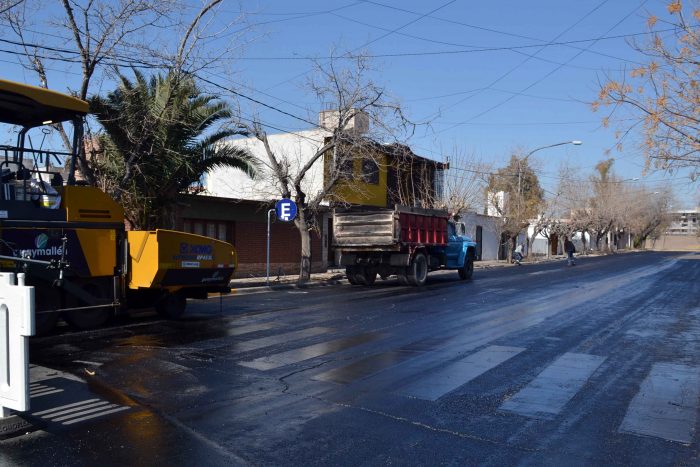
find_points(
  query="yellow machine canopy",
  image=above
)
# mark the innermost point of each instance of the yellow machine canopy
(30, 106)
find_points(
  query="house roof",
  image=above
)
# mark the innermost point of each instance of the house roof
(403, 151)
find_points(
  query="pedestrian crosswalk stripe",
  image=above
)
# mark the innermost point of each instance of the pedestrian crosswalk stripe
(250, 328)
(289, 357)
(554, 387)
(367, 366)
(283, 338)
(666, 404)
(438, 383)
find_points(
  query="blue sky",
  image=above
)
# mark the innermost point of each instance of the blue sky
(461, 64)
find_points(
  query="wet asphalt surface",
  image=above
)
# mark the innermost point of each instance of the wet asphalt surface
(596, 364)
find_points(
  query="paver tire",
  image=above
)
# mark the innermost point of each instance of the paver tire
(172, 305)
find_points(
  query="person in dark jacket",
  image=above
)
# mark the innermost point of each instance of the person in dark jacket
(570, 249)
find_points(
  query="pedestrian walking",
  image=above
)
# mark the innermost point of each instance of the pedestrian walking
(570, 249)
(518, 254)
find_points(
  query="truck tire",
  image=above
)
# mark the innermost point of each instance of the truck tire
(172, 306)
(365, 275)
(418, 270)
(350, 274)
(466, 271)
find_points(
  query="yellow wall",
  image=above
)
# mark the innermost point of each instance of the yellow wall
(358, 192)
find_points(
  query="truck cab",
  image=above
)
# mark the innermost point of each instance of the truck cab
(460, 246)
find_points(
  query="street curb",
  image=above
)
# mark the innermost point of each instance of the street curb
(260, 287)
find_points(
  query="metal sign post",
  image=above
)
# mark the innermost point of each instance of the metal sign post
(267, 273)
(286, 211)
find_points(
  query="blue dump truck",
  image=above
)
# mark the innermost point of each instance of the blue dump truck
(404, 241)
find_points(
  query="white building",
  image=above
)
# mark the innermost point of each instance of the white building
(496, 203)
(485, 230)
(684, 222)
(295, 148)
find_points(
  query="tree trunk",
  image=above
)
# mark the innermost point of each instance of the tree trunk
(305, 234)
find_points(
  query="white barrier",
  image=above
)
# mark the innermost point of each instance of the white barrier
(16, 325)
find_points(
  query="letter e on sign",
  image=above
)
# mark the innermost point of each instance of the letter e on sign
(286, 210)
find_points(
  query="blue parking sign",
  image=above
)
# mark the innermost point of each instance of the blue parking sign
(286, 210)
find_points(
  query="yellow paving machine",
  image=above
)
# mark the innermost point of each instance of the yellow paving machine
(70, 239)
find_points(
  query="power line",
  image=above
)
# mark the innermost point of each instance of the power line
(550, 73)
(511, 70)
(370, 42)
(481, 28)
(412, 36)
(256, 101)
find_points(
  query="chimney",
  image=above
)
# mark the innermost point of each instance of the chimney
(358, 123)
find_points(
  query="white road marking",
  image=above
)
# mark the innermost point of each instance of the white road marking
(62, 407)
(101, 414)
(85, 362)
(435, 385)
(38, 390)
(72, 416)
(666, 404)
(76, 410)
(547, 394)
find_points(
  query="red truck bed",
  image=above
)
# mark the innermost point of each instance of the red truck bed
(389, 228)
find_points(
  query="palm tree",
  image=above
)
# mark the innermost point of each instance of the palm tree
(161, 135)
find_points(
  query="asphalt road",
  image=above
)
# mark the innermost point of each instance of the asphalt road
(596, 364)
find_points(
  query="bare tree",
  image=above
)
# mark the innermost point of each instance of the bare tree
(96, 32)
(464, 183)
(353, 99)
(647, 214)
(100, 36)
(662, 95)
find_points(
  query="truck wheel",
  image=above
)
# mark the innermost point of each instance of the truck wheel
(366, 276)
(418, 270)
(350, 274)
(172, 306)
(466, 271)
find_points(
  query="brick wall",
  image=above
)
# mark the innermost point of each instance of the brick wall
(250, 240)
(246, 228)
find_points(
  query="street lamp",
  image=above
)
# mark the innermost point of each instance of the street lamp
(574, 142)
(524, 159)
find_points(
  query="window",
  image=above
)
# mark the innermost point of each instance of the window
(370, 171)
(345, 168)
(219, 230)
(211, 230)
